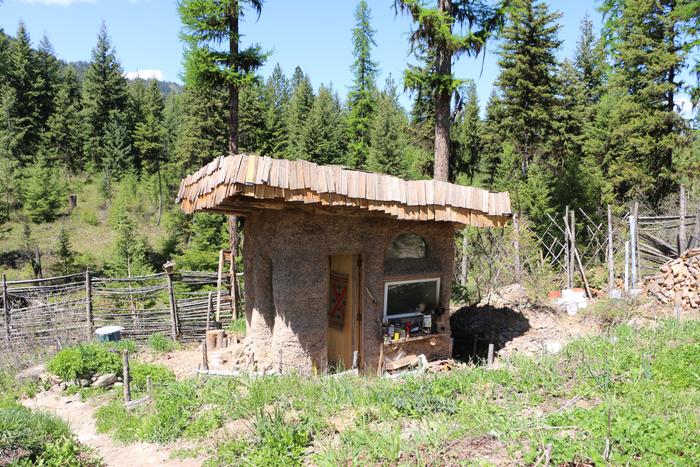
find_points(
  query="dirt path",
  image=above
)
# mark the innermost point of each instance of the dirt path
(80, 417)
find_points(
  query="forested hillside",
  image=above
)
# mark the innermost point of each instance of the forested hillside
(599, 127)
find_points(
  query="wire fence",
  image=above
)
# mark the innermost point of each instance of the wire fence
(41, 316)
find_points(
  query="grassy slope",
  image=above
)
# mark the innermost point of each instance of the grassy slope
(636, 392)
(93, 243)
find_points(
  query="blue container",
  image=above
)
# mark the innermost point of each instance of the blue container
(109, 333)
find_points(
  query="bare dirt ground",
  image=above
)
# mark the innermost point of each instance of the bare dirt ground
(80, 416)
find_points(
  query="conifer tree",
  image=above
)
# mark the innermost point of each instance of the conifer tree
(251, 118)
(42, 192)
(62, 141)
(388, 140)
(442, 34)
(117, 154)
(467, 137)
(493, 139)
(324, 133)
(589, 61)
(65, 256)
(277, 93)
(207, 25)
(149, 139)
(204, 128)
(648, 42)
(25, 110)
(9, 141)
(527, 79)
(130, 254)
(46, 81)
(104, 93)
(362, 95)
(300, 104)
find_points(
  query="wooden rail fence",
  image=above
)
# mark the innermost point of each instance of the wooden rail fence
(41, 315)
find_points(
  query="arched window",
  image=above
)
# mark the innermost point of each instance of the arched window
(407, 246)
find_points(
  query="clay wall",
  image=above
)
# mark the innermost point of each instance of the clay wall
(286, 267)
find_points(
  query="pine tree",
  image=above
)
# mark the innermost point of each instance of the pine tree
(62, 141)
(46, 81)
(277, 93)
(65, 256)
(493, 139)
(25, 111)
(300, 104)
(251, 118)
(204, 129)
(388, 140)
(324, 133)
(207, 25)
(208, 234)
(527, 79)
(42, 192)
(9, 141)
(648, 42)
(117, 154)
(442, 34)
(130, 254)
(104, 92)
(362, 95)
(467, 138)
(589, 61)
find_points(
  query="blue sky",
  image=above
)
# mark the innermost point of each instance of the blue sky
(313, 34)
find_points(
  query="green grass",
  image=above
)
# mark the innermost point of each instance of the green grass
(161, 343)
(637, 392)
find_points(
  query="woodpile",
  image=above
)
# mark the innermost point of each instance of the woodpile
(678, 281)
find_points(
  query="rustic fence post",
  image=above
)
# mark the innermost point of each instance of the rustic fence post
(572, 239)
(633, 244)
(168, 267)
(627, 266)
(489, 356)
(6, 309)
(126, 379)
(682, 212)
(465, 260)
(696, 230)
(88, 304)
(567, 251)
(611, 253)
(516, 245)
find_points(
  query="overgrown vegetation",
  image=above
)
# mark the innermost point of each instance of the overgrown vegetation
(623, 397)
(35, 438)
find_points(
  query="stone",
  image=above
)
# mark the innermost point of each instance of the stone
(552, 347)
(34, 373)
(105, 380)
(84, 383)
(118, 384)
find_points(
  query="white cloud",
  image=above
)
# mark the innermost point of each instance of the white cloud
(145, 74)
(56, 2)
(684, 106)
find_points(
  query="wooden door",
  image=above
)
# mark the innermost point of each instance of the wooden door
(343, 306)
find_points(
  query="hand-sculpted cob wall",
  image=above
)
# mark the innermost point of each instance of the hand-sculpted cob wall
(286, 266)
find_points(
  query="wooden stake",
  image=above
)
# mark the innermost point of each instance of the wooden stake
(88, 305)
(125, 376)
(516, 246)
(611, 252)
(572, 239)
(355, 359)
(380, 365)
(489, 358)
(209, 308)
(627, 266)
(6, 310)
(149, 385)
(682, 213)
(567, 251)
(173, 306)
(205, 357)
(636, 265)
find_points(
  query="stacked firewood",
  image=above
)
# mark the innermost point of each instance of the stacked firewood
(678, 281)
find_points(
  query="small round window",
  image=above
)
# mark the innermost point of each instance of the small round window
(407, 246)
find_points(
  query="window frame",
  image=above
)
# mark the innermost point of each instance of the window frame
(386, 318)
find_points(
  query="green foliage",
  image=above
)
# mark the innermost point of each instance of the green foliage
(130, 254)
(388, 142)
(209, 234)
(161, 343)
(64, 252)
(238, 327)
(324, 133)
(37, 438)
(300, 104)
(42, 193)
(84, 361)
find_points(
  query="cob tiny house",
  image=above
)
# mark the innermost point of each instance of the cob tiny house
(341, 263)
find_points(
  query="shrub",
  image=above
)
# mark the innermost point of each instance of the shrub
(84, 361)
(160, 375)
(90, 218)
(161, 343)
(36, 438)
(238, 327)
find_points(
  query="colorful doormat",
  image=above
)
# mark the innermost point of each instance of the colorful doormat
(339, 300)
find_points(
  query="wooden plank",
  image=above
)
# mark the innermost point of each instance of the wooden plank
(251, 169)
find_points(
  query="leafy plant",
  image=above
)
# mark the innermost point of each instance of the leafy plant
(161, 343)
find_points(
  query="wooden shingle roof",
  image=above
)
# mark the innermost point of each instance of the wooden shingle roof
(228, 180)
